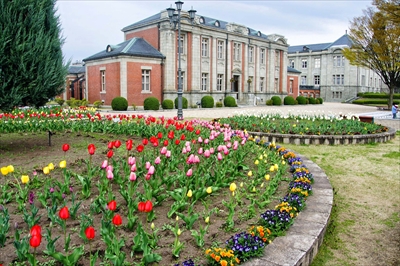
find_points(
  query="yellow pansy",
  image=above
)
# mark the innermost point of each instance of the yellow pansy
(63, 164)
(24, 179)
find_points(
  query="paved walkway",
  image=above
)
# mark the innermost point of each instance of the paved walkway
(380, 117)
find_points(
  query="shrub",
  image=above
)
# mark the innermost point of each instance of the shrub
(320, 100)
(229, 101)
(312, 100)
(269, 102)
(70, 102)
(151, 103)
(207, 102)
(184, 103)
(219, 104)
(119, 104)
(97, 104)
(317, 101)
(301, 100)
(167, 104)
(59, 101)
(276, 100)
(289, 100)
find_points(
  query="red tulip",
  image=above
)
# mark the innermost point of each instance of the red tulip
(110, 153)
(129, 144)
(171, 134)
(177, 141)
(35, 241)
(145, 141)
(65, 147)
(159, 135)
(140, 148)
(90, 233)
(183, 137)
(110, 145)
(165, 143)
(112, 205)
(36, 230)
(197, 132)
(64, 213)
(117, 144)
(117, 220)
(148, 206)
(141, 206)
(91, 149)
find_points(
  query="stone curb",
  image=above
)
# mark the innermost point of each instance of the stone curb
(304, 238)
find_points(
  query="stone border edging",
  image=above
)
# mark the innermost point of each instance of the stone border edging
(326, 139)
(304, 238)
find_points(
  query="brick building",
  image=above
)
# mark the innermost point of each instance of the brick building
(218, 59)
(76, 83)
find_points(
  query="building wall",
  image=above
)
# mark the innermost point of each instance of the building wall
(150, 34)
(295, 85)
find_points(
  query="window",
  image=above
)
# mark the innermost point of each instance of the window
(338, 79)
(291, 86)
(291, 63)
(251, 53)
(337, 94)
(145, 80)
(317, 62)
(303, 63)
(204, 47)
(220, 49)
(262, 56)
(362, 80)
(236, 51)
(220, 79)
(316, 80)
(262, 84)
(182, 41)
(103, 80)
(183, 80)
(338, 61)
(204, 80)
(303, 80)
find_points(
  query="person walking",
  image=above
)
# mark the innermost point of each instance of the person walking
(394, 110)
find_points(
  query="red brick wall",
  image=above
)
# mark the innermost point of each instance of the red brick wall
(134, 83)
(295, 79)
(150, 35)
(112, 82)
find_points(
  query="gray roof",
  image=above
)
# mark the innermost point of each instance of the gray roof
(292, 70)
(133, 47)
(74, 69)
(208, 22)
(344, 40)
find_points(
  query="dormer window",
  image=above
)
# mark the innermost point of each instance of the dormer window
(306, 48)
(109, 48)
(201, 20)
(216, 24)
(259, 33)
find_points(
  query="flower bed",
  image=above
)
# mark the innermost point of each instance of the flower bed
(151, 201)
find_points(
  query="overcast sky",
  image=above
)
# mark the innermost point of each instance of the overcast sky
(89, 26)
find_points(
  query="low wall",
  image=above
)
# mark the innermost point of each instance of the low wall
(326, 139)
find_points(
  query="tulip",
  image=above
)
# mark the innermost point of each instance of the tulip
(104, 164)
(207, 220)
(197, 132)
(168, 154)
(24, 179)
(51, 166)
(276, 166)
(132, 176)
(90, 232)
(200, 151)
(272, 168)
(212, 150)
(196, 159)
(35, 241)
(152, 226)
(177, 142)
(147, 165)
(266, 177)
(256, 162)
(207, 153)
(133, 168)
(110, 145)
(110, 153)
(151, 170)
(219, 156)
(159, 135)
(157, 160)
(241, 184)
(148, 206)
(4, 170)
(129, 144)
(145, 141)
(189, 193)
(117, 144)
(140, 148)
(209, 190)
(65, 147)
(63, 164)
(64, 213)
(112, 205)
(200, 140)
(91, 149)
(46, 170)
(163, 150)
(232, 187)
(10, 168)
(109, 168)
(110, 175)
(117, 220)
(250, 173)
(283, 162)
(165, 143)
(36, 230)
(131, 160)
(189, 172)
(179, 232)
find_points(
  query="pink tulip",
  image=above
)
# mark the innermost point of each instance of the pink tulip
(187, 143)
(229, 145)
(148, 177)
(151, 170)
(235, 145)
(148, 165)
(131, 160)
(211, 137)
(109, 168)
(190, 159)
(184, 151)
(196, 159)
(200, 151)
(104, 164)
(188, 149)
(212, 150)
(168, 154)
(206, 141)
(219, 156)
(200, 140)
(110, 175)
(133, 168)
(207, 153)
(132, 176)
(219, 148)
(189, 172)
(163, 150)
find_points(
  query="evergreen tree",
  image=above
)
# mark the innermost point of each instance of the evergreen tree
(31, 62)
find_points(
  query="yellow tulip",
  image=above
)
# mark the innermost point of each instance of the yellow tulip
(272, 168)
(51, 166)
(266, 177)
(189, 194)
(283, 162)
(256, 162)
(207, 220)
(46, 170)
(63, 164)
(254, 189)
(209, 190)
(241, 184)
(232, 187)
(179, 232)
(152, 226)
(10, 168)
(4, 170)
(261, 157)
(262, 184)
(24, 179)
(250, 173)
(276, 166)
(177, 218)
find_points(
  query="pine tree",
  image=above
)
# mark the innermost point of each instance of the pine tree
(31, 63)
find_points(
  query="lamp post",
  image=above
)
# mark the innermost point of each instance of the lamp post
(175, 17)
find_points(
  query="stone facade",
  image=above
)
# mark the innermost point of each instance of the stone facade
(327, 74)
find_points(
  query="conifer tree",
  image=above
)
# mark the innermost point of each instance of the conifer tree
(31, 63)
